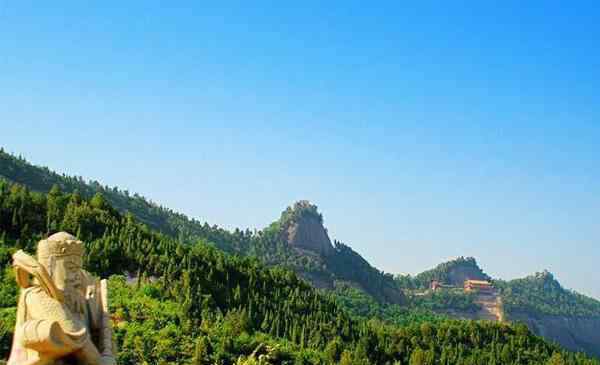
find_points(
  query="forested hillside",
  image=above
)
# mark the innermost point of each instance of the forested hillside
(321, 268)
(558, 314)
(539, 294)
(292, 244)
(542, 293)
(192, 304)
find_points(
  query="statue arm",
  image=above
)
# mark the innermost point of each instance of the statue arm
(49, 339)
(52, 334)
(47, 336)
(45, 327)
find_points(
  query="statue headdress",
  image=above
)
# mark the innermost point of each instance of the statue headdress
(59, 244)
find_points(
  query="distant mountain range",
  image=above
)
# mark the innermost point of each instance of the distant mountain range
(299, 241)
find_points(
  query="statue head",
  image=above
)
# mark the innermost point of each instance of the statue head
(61, 255)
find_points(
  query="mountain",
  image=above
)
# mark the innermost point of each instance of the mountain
(297, 241)
(558, 314)
(539, 301)
(190, 303)
(302, 227)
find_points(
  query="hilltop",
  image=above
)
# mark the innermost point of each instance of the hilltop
(541, 293)
(301, 226)
(559, 314)
(453, 272)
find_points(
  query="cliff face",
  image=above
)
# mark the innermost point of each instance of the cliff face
(302, 227)
(573, 333)
(459, 274)
(580, 334)
(309, 234)
(553, 312)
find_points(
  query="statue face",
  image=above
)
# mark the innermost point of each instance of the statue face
(66, 273)
(68, 277)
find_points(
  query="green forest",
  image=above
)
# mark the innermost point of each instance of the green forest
(178, 303)
(345, 265)
(542, 293)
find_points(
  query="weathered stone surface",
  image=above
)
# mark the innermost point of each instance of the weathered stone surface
(62, 315)
(309, 234)
(302, 227)
(573, 333)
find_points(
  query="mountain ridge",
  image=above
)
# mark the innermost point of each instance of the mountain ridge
(195, 304)
(269, 244)
(326, 265)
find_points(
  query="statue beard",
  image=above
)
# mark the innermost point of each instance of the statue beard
(74, 300)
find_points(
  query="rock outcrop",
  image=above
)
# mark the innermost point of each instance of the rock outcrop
(573, 333)
(302, 228)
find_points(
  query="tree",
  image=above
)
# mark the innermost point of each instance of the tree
(55, 209)
(418, 357)
(333, 350)
(556, 359)
(201, 352)
(346, 358)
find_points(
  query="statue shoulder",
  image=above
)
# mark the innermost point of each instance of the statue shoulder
(39, 304)
(36, 296)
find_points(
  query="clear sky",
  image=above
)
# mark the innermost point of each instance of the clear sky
(423, 132)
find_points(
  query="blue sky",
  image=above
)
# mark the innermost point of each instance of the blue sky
(423, 132)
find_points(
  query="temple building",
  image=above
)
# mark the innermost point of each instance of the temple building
(478, 286)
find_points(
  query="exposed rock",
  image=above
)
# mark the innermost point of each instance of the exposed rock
(302, 227)
(573, 333)
(459, 274)
(490, 309)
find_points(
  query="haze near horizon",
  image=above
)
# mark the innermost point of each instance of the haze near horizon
(422, 133)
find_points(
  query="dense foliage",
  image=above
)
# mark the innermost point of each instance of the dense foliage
(42, 179)
(361, 305)
(348, 265)
(425, 307)
(300, 209)
(542, 293)
(193, 304)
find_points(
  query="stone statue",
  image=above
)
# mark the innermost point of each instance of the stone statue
(62, 315)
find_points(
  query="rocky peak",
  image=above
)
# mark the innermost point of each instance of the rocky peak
(302, 227)
(545, 280)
